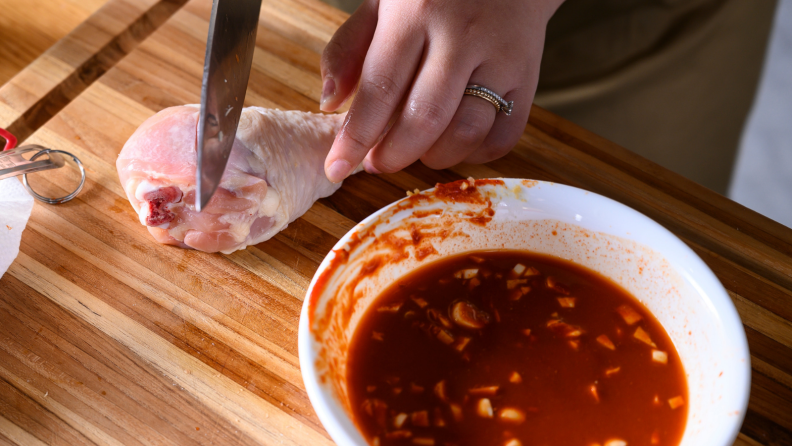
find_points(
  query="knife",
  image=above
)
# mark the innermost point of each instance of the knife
(229, 56)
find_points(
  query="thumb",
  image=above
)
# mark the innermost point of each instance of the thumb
(342, 59)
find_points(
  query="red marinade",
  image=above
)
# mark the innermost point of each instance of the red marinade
(514, 348)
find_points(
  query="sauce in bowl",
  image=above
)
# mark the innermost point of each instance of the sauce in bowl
(513, 348)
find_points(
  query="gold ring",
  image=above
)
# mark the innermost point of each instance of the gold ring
(490, 96)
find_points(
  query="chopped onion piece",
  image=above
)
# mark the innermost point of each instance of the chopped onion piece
(441, 391)
(420, 418)
(612, 371)
(566, 302)
(643, 336)
(377, 336)
(555, 285)
(514, 283)
(424, 441)
(473, 283)
(615, 442)
(564, 329)
(376, 409)
(605, 341)
(438, 318)
(438, 418)
(484, 391)
(659, 356)
(519, 268)
(527, 332)
(392, 308)
(515, 294)
(401, 434)
(419, 301)
(531, 271)
(676, 401)
(445, 337)
(466, 273)
(462, 342)
(629, 315)
(574, 344)
(515, 378)
(513, 442)
(511, 415)
(484, 408)
(399, 420)
(456, 411)
(593, 390)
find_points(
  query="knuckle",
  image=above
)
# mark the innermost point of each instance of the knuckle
(497, 149)
(428, 7)
(471, 127)
(436, 162)
(426, 116)
(381, 87)
(387, 163)
(358, 137)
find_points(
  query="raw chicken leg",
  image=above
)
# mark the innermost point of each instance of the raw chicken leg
(274, 174)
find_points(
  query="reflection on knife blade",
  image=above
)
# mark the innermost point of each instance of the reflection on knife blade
(229, 56)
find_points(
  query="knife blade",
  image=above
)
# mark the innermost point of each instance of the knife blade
(229, 57)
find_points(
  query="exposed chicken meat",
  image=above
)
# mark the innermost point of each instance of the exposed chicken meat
(274, 174)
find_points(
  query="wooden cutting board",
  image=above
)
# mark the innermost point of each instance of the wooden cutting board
(109, 338)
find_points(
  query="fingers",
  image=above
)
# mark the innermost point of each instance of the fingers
(387, 73)
(469, 128)
(506, 131)
(342, 58)
(429, 108)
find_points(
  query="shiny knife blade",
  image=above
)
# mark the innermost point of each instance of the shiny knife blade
(229, 56)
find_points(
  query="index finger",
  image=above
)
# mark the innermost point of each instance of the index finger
(387, 72)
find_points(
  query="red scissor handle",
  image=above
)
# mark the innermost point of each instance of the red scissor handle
(11, 140)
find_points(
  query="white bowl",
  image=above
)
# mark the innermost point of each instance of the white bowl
(570, 223)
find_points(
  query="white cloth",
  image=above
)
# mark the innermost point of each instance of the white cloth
(16, 204)
(762, 177)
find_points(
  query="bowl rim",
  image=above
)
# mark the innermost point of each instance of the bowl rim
(342, 428)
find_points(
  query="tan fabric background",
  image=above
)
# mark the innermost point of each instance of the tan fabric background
(670, 80)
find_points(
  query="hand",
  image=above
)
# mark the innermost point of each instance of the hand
(412, 60)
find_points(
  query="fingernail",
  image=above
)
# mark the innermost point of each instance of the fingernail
(328, 93)
(338, 171)
(368, 167)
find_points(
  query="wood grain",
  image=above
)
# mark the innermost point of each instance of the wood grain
(109, 338)
(41, 89)
(29, 27)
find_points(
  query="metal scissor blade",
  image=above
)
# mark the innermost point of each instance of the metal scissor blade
(229, 56)
(12, 163)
